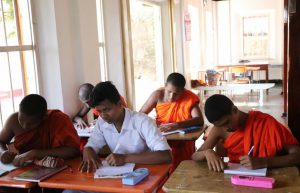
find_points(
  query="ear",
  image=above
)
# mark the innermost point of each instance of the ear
(234, 109)
(119, 104)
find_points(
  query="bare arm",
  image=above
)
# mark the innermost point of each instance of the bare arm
(5, 137)
(78, 118)
(81, 113)
(61, 152)
(212, 139)
(157, 157)
(291, 159)
(150, 103)
(197, 118)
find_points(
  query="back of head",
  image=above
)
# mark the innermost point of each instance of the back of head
(85, 91)
(177, 80)
(217, 106)
(33, 105)
(104, 91)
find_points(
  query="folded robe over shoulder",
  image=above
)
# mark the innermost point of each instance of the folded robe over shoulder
(262, 131)
(56, 130)
(179, 110)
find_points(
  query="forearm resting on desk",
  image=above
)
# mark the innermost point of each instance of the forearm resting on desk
(156, 157)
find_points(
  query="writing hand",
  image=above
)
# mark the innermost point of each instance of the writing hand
(115, 159)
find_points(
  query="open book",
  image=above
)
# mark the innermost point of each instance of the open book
(6, 168)
(107, 171)
(38, 174)
(235, 168)
(86, 132)
(182, 131)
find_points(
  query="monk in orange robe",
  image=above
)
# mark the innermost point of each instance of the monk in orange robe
(38, 132)
(84, 93)
(273, 144)
(175, 108)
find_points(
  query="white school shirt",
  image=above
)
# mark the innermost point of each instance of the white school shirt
(139, 133)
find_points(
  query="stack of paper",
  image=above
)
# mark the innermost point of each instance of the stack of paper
(6, 168)
(107, 171)
(182, 131)
(235, 168)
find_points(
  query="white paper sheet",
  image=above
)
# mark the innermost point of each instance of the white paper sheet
(107, 171)
(235, 168)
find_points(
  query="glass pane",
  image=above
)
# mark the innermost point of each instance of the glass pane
(25, 25)
(2, 34)
(147, 49)
(10, 22)
(6, 103)
(16, 74)
(100, 20)
(30, 72)
(102, 64)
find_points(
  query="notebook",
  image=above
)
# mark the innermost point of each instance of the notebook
(235, 168)
(38, 174)
(182, 131)
(6, 168)
(107, 171)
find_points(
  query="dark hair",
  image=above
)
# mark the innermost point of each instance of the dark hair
(33, 105)
(104, 91)
(217, 106)
(176, 79)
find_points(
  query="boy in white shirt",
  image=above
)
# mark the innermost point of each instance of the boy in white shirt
(132, 137)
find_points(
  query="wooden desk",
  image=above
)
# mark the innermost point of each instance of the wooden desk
(86, 181)
(250, 67)
(261, 87)
(190, 177)
(8, 181)
(186, 137)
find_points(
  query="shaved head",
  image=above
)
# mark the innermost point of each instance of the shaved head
(33, 105)
(177, 80)
(85, 91)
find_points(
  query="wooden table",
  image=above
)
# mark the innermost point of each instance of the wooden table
(8, 181)
(186, 137)
(249, 67)
(261, 87)
(190, 177)
(85, 181)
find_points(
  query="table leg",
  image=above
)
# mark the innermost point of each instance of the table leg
(261, 97)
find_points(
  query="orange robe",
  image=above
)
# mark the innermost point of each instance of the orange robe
(262, 131)
(56, 130)
(171, 112)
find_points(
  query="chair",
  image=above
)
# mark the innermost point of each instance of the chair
(238, 75)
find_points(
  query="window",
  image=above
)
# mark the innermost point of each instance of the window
(100, 25)
(256, 37)
(17, 56)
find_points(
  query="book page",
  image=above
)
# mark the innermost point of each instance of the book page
(107, 171)
(235, 168)
(6, 168)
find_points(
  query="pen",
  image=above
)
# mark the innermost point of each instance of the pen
(251, 150)
(116, 148)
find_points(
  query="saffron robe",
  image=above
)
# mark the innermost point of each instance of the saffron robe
(262, 131)
(171, 112)
(56, 130)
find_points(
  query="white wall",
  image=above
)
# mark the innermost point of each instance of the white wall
(244, 7)
(67, 49)
(113, 39)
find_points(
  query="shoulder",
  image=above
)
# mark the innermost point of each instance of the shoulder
(54, 115)
(260, 116)
(140, 118)
(12, 122)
